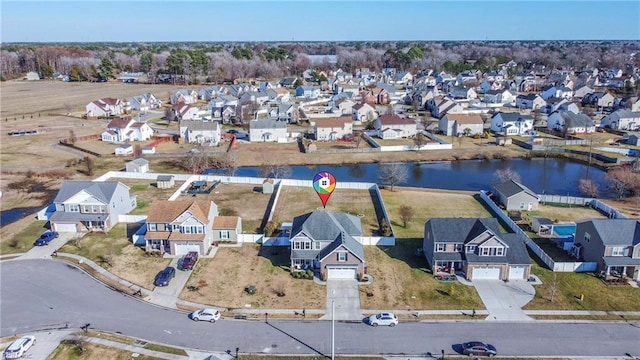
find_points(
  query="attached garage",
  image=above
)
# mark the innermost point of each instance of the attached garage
(486, 273)
(342, 272)
(183, 248)
(61, 227)
(516, 272)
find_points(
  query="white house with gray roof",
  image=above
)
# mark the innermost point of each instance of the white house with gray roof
(476, 247)
(326, 242)
(84, 206)
(515, 196)
(200, 132)
(622, 119)
(568, 122)
(268, 129)
(511, 123)
(614, 244)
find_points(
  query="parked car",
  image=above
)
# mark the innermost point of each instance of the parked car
(164, 277)
(208, 314)
(46, 238)
(478, 348)
(18, 348)
(189, 260)
(384, 318)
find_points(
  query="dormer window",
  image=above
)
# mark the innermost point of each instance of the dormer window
(440, 247)
(491, 251)
(471, 248)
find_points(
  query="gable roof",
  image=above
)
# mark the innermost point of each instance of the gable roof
(513, 116)
(167, 211)
(616, 231)
(119, 123)
(225, 222)
(333, 122)
(512, 187)
(573, 120)
(466, 118)
(101, 190)
(389, 119)
(267, 123)
(343, 240)
(324, 225)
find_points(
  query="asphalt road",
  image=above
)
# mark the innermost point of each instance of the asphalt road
(39, 294)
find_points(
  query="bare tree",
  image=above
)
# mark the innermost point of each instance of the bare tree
(89, 163)
(271, 167)
(554, 287)
(503, 175)
(406, 214)
(197, 161)
(419, 140)
(72, 137)
(622, 181)
(588, 187)
(392, 174)
(137, 151)
(358, 140)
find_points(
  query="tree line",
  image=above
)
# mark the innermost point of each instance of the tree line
(217, 62)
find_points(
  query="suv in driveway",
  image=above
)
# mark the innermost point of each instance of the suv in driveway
(189, 260)
(45, 238)
(164, 277)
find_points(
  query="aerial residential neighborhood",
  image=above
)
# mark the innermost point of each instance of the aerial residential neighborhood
(254, 197)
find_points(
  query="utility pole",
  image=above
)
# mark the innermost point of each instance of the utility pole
(333, 330)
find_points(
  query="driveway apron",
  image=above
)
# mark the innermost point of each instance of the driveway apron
(343, 295)
(504, 301)
(44, 252)
(167, 295)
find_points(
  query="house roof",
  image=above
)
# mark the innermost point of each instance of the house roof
(199, 125)
(529, 97)
(225, 222)
(466, 118)
(101, 190)
(343, 240)
(463, 230)
(333, 122)
(512, 187)
(573, 120)
(389, 119)
(324, 225)
(139, 162)
(513, 116)
(164, 177)
(267, 123)
(615, 231)
(119, 123)
(167, 211)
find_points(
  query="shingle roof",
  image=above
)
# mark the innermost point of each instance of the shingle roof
(512, 187)
(343, 240)
(333, 122)
(389, 119)
(466, 118)
(163, 211)
(616, 231)
(513, 116)
(225, 222)
(101, 190)
(119, 123)
(573, 120)
(267, 124)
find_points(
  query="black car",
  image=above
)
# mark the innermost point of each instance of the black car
(478, 348)
(164, 277)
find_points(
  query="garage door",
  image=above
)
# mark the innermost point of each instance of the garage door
(491, 273)
(64, 227)
(341, 272)
(182, 249)
(516, 272)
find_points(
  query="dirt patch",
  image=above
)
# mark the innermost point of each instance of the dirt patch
(235, 268)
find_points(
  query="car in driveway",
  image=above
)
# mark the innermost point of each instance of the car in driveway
(383, 318)
(189, 260)
(208, 314)
(164, 277)
(46, 238)
(478, 348)
(18, 348)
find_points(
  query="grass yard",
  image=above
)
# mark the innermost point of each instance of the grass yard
(427, 204)
(569, 286)
(294, 201)
(402, 281)
(234, 268)
(563, 213)
(146, 191)
(115, 252)
(20, 239)
(67, 350)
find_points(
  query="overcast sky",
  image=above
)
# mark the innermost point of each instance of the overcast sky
(326, 20)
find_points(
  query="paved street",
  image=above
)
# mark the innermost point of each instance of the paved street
(40, 294)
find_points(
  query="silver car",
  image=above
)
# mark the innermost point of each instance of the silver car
(19, 347)
(208, 314)
(384, 318)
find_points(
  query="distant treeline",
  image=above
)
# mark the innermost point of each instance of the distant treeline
(219, 62)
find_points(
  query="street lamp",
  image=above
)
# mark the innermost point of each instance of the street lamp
(333, 330)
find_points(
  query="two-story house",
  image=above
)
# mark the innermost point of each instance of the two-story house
(530, 101)
(267, 129)
(105, 107)
(475, 247)
(327, 242)
(567, 122)
(511, 123)
(461, 124)
(394, 127)
(364, 112)
(498, 97)
(622, 119)
(83, 206)
(200, 132)
(614, 244)
(184, 96)
(308, 92)
(144, 102)
(332, 129)
(177, 227)
(126, 129)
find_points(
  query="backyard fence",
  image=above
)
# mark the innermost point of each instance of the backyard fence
(570, 200)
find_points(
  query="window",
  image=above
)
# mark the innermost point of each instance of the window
(457, 247)
(307, 245)
(617, 251)
(86, 208)
(316, 245)
(499, 251)
(471, 248)
(224, 234)
(296, 245)
(587, 236)
(342, 256)
(440, 247)
(175, 227)
(152, 227)
(73, 208)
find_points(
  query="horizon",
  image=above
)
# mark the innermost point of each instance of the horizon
(268, 21)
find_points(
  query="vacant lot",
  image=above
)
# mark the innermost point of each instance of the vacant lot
(115, 252)
(294, 201)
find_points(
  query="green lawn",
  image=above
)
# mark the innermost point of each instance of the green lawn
(597, 295)
(22, 241)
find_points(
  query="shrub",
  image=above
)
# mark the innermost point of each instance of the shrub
(251, 289)
(309, 274)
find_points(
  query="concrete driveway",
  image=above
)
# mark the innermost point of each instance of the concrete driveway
(343, 295)
(167, 295)
(44, 252)
(504, 301)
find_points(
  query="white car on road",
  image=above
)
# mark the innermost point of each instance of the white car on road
(18, 348)
(210, 315)
(384, 318)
